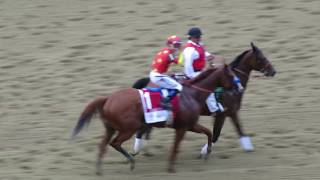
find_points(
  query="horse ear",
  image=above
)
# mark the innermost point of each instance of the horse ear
(254, 48)
(227, 69)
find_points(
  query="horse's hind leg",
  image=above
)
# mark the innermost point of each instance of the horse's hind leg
(117, 142)
(179, 136)
(103, 147)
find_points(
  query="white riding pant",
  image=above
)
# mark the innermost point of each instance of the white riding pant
(164, 81)
(212, 103)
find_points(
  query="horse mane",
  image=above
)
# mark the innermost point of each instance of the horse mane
(202, 75)
(237, 60)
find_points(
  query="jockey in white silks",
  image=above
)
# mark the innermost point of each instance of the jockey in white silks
(195, 57)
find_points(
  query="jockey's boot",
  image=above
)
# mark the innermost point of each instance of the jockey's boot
(165, 103)
(214, 106)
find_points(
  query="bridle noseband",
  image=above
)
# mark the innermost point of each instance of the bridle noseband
(265, 67)
(247, 75)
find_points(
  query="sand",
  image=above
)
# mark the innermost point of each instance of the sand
(57, 55)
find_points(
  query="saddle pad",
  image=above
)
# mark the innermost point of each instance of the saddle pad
(153, 112)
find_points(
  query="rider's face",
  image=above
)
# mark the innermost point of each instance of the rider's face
(196, 39)
(176, 47)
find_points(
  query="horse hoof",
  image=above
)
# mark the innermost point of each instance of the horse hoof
(132, 166)
(246, 144)
(171, 170)
(99, 173)
(98, 168)
(199, 156)
(148, 154)
(206, 157)
(134, 154)
(249, 150)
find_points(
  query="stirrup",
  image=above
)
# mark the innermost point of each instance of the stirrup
(165, 103)
(166, 106)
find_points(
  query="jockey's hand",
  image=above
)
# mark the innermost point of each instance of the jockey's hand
(171, 74)
(240, 90)
(186, 82)
(210, 57)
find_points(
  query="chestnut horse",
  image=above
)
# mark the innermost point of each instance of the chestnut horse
(243, 64)
(122, 112)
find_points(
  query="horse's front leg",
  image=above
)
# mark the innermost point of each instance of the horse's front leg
(217, 127)
(179, 136)
(208, 147)
(245, 140)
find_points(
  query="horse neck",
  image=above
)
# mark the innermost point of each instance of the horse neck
(243, 71)
(207, 83)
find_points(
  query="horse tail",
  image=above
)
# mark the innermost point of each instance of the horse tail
(88, 112)
(141, 83)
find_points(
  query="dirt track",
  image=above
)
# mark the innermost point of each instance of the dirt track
(57, 55)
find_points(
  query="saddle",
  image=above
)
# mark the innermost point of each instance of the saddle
(153, 112)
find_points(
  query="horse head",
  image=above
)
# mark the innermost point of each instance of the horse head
(260, 62)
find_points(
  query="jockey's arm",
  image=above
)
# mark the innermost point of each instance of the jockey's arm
(214, 60)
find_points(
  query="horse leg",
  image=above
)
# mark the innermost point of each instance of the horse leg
(235, 120)
(147, 138)
(148, 132)
(245, 141)
(217, 127)
(179, 136)
(203, 130)
(103, 147)
(117, 142)
(138, 143)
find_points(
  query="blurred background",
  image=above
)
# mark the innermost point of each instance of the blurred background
(57, 55)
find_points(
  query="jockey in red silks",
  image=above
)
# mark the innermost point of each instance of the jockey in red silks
(195, 57)
(160, 66)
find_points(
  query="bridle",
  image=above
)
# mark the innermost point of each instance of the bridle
(266, 66)
(241, 72)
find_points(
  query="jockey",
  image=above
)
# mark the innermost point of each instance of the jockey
(159, 67)
(195, 57)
